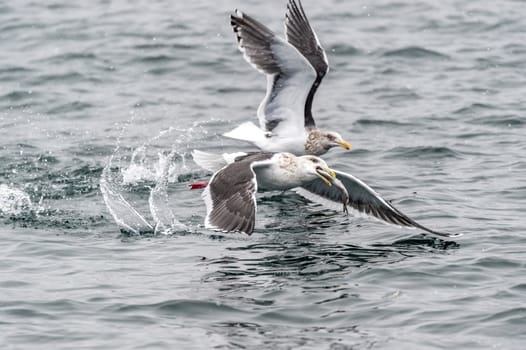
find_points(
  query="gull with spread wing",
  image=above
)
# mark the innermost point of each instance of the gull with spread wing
(230, 193)
(230, 196)
(294, 68)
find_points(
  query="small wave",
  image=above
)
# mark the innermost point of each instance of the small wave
(381, 122)
(18, 95)
(68, 57)
(390, 71)
(400, 96)
(423, 152)
(14, 69)
(155, 59)
(500, 120)
(508, 23)
(161, 70)
(150, 46)
(512, 316)
(395, 94)
(343, 50)
(183, 307)
(414, 52)
(474, 108)
(75, 106)
(72, 77)
(474, 135)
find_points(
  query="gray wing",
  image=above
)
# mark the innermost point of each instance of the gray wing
(230, 199)
(301, 35)
(230, 196)
(289, 75)
(362, 198)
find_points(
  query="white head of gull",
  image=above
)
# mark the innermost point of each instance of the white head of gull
(294, 68)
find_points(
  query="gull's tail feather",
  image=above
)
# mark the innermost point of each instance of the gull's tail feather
(209, 161)
(247, 131)
(213, 161)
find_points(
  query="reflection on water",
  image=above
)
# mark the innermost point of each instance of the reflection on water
(303, 257)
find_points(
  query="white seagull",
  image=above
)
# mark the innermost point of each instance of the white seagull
(230, 196)
(294, 68)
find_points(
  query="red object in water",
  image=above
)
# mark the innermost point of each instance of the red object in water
(198, 184)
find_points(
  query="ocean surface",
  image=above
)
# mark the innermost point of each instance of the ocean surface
(102, 244)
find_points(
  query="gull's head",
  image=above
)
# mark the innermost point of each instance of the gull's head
(314, 167)
(330, 139)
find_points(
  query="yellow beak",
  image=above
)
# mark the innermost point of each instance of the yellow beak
(344, 144)
(326, 174)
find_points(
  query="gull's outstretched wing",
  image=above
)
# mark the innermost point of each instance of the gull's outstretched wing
(301, 35)
(363, 199)
(230, 196)
(289, 75)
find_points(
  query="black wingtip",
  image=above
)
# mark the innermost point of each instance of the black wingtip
(237, 14)
(441, 234)
(235, 20)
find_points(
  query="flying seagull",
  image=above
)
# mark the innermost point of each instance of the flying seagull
(230, 194)
(294, 68)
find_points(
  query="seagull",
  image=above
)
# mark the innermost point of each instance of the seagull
(294, 68)
(230, 194)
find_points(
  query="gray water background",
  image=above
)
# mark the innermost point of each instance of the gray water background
(430, 94)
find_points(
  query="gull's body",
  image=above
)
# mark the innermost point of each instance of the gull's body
(294, 68)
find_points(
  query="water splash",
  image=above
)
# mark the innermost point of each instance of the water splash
(141, 169)
(15, 202)
(122, 211)
(163, 216)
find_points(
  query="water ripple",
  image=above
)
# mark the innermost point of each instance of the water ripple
(415, 52)
(424, 152)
